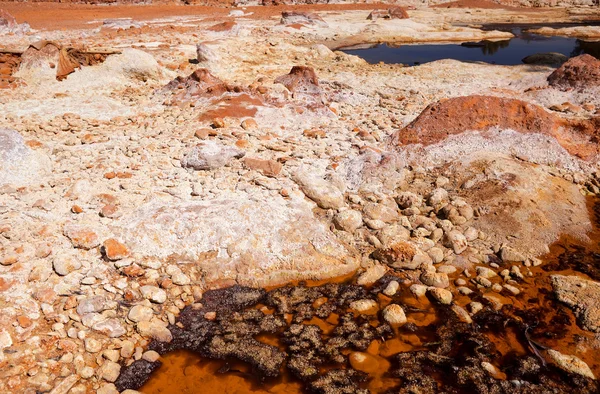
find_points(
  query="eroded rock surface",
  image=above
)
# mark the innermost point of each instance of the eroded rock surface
(583, 296)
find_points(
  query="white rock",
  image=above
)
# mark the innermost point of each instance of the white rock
(442, 296)
(153, 294)
(571, 364)
(210, 155)
(371, 275)
(109, 371)
(140, 313)
(456, 240)
(349, 220)
(362, 306)
(323, 193)
(394, 315)
(391, 289)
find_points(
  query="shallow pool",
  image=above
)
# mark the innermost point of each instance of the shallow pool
(506, 52)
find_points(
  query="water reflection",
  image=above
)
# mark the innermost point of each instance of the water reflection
(504, 52)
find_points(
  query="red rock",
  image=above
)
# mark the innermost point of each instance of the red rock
(24, 321)
(109, 211)
(218, 123)
(114, 250)
(110, 175)
(133, 271)
(199, 84)
(76, 209)
(267, 167)
(301, 79)
(578, 72)
(481, 113)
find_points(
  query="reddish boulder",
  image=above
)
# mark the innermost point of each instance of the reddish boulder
(481, 113)
(199, 84)
(301, 79)
(578, 72)
(390, 13)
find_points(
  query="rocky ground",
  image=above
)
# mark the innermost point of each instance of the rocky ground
(147, 160)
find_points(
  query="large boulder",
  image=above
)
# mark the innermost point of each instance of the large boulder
(239, 239)
(579, 72)
(19, 164)
(581, 295)
(390, 13)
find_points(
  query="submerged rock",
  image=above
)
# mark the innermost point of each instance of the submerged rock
(549, 58)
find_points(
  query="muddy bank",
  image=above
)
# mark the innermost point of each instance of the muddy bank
(346, 338)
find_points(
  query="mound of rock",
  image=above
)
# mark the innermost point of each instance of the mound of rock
(579, 72)
(302, 18)
(458, 115)
(199, 84)
(390, 13)
(303, 83)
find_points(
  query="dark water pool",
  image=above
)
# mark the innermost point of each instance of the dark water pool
(506, 52)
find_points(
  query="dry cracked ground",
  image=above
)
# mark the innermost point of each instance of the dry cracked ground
(149, 154)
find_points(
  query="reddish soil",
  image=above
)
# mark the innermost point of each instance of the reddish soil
(578, 72)
(459, 114)
(76, 16)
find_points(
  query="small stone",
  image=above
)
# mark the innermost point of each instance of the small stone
(391, 289)
(381, 212)
(442, 296)
(127, 349)
(64, 265)
(81, 237)
(210, 155)
(435, 279)
(151, 356)
(418, 290)
(409, 200)
(92, 345)
(323, 193)
(110, 327)
(270, 168)
(394, 315)
(462, 314)
(349, 220)
(86, 372)
(485, 272)
(153, 294)
(218, 123)
(109, 371)
(155, 329)
(371, 275)
(363, 306)
(446, 269)
(140, 313)
(438, 198)
(508, 254)
(456, 240)
(363, 362)
(111, 354)
(91, 305)
(571, 364)
(436, 254)
(108, 388)
(249, 124)
(475, 307)
(114, 250)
